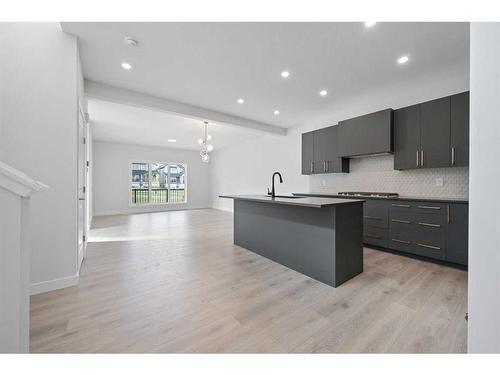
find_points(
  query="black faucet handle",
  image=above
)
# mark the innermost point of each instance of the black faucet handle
(268, 192)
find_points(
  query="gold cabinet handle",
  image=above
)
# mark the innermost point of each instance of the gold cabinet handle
(312, 167)
(421, 158)
(417, 159)
(448, 213)
(327, 163)
(401, 221)
(430, 225)
(401, 205)
(373, 236)
(453, 156)
(401, 241)
(430, 207)
(429, 246)
(372, 217)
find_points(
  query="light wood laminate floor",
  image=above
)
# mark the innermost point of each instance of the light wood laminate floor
(174, 282)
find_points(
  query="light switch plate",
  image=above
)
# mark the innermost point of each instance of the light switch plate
(439, 181)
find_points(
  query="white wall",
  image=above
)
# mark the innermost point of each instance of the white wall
(38, 96)
(111, 177)
(246, 168)
(484, 207)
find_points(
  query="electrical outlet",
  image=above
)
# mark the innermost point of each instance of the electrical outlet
(439, 181)
(323, 182)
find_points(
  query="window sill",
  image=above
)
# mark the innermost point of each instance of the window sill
(155, 204)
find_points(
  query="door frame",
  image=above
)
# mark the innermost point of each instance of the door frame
(82, 183)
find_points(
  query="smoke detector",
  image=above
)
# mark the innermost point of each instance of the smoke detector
(131, 42)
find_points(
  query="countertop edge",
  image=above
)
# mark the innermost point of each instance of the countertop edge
(293, 202)
(419, 199)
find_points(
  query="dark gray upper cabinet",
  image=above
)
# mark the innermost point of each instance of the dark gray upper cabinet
(366, 135)
(457, 233)
(334, 163)
(459, 127)
(320, 147)
(320, 152)
(435, 133)
(307, 152)
(407, 137)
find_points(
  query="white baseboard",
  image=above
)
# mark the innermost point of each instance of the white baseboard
(50, 285)
(146, 211)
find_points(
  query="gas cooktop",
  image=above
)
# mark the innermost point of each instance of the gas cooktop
(368, 194)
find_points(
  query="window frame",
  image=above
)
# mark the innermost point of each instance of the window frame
(150, 162)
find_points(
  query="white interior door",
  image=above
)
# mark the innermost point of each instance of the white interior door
(82, 183)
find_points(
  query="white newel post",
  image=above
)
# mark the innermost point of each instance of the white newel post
(15, 191)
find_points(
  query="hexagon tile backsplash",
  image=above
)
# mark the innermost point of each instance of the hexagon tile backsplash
(377, 174)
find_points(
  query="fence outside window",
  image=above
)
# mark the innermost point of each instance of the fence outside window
(158, 183)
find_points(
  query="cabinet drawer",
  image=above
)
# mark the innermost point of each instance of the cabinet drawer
(430, 219)
(400, 241)
(431, 208)
(402, 207)
(375, 236)
(413, 241)
(401, 220)
(379, 221)
(430, 246)
(376, 214)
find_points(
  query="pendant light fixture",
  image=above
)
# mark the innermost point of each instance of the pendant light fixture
(206, 148)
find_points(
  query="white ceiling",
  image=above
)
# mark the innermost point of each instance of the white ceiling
(130, 124)
(211, 65)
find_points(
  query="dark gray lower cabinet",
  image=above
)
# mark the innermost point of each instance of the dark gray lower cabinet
(457, 233)
(375, 223)
(431, 229)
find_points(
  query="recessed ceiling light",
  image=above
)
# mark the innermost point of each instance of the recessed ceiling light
(323, 92)
(276, 112)
(172, 140)
(131, 42)
(285, 74)
(370, 24)
(126, 66)
(240, 101)
(403, 59)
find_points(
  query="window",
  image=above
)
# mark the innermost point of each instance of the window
(158, 183)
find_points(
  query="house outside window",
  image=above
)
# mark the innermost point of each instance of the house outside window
(157, 183)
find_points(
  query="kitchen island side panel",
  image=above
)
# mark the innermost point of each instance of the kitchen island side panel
(348, 241)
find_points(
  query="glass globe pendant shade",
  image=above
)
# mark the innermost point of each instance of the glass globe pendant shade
(204, 155)
(205, 147)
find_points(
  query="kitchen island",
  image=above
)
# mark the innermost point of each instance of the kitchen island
(319, 237)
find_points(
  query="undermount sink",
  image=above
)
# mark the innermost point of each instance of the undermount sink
(284, 196)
